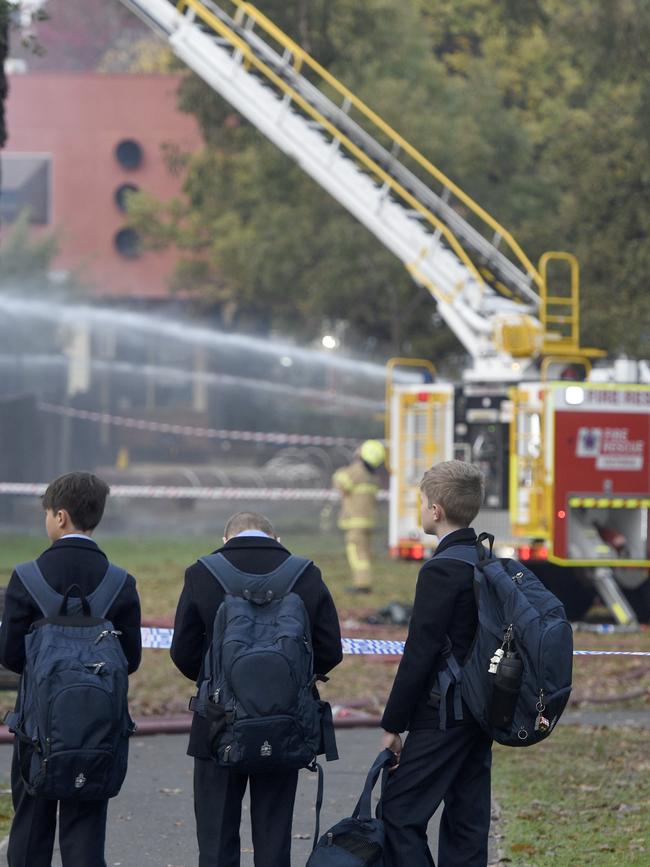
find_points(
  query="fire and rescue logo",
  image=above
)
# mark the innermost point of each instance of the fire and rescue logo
(588, 445)
(611, 447)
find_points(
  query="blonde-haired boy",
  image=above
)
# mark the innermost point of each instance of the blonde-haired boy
(435, 765)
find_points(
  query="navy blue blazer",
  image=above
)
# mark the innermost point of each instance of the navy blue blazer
(69, 561)
(444, 605)
(202, 595)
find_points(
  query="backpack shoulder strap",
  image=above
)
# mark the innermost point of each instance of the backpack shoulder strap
(259, 588)
(46, 597)
(471, 554)
(451, 675)
(465, 553)
(285, 577)
(107, 591)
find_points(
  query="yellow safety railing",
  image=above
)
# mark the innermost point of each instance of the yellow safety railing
(422, 437)
(527, 473)
(298, 58)
(560, 313)
(302, 57)
(391, 364)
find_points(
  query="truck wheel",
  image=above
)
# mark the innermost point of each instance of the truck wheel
(639, 599)
(568, 584)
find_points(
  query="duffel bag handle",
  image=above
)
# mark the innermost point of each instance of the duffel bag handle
(363, 810)
(85, 605)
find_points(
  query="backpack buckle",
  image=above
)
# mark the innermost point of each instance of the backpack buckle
(258, 600)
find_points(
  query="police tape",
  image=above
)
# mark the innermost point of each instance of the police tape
(160, 638)
(186, 492)
(274, 437)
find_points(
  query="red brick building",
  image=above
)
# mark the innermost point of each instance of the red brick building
(77, 142)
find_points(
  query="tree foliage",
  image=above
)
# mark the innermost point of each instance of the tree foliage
(27, 260)
(539, 109)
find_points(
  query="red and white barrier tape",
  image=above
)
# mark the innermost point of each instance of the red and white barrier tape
(176, 492)
(206, 432)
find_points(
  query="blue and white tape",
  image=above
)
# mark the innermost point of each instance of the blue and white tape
(160, 638)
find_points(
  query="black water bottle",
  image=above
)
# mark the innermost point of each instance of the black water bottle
(505, 692)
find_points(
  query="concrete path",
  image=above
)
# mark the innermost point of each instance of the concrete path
(151, 822)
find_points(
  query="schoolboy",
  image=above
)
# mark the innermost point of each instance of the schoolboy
(251, 545)
(454, 764)
(74, 505)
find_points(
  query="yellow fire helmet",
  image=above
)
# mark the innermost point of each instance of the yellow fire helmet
(373, 453)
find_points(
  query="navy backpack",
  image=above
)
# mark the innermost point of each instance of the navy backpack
(257, 691)
(71, 720)
(516, 678)
(359, 840)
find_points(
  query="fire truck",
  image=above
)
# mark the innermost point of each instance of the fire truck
(575, 455)
(567, 457)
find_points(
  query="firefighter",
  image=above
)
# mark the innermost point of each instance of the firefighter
(358, 486)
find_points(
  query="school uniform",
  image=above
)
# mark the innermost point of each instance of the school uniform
(218, 791)
(451, 765)
(71, 560)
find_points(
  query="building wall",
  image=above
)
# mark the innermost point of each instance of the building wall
(79, 119)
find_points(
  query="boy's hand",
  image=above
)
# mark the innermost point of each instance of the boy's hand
(393, 742)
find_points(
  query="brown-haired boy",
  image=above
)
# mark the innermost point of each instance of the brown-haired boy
(74, 505)
(453, 764)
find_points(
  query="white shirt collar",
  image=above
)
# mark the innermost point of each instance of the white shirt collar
(253, 533)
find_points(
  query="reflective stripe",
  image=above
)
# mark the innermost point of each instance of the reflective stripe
(609, 503)
(357, 523)
(364, 488)
(355, 561)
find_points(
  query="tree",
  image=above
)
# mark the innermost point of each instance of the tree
(75, 34)
(26, 261)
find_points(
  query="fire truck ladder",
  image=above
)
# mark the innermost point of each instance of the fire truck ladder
(487, 290)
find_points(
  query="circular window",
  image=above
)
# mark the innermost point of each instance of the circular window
(122, 193)
(127, 243)
(129, 153)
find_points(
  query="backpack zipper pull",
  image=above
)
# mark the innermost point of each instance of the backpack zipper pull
(96, 667)
(542, 724)
(330, 838)
(226, 753)
(495, 660)
(114, 632)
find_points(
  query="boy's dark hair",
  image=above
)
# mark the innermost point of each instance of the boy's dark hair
(82, 495)
(458, 487)
(241, 521)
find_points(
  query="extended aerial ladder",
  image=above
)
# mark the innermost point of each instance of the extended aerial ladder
(487, 290)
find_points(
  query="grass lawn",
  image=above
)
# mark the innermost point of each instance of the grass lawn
(6, 809)
(581, 797)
